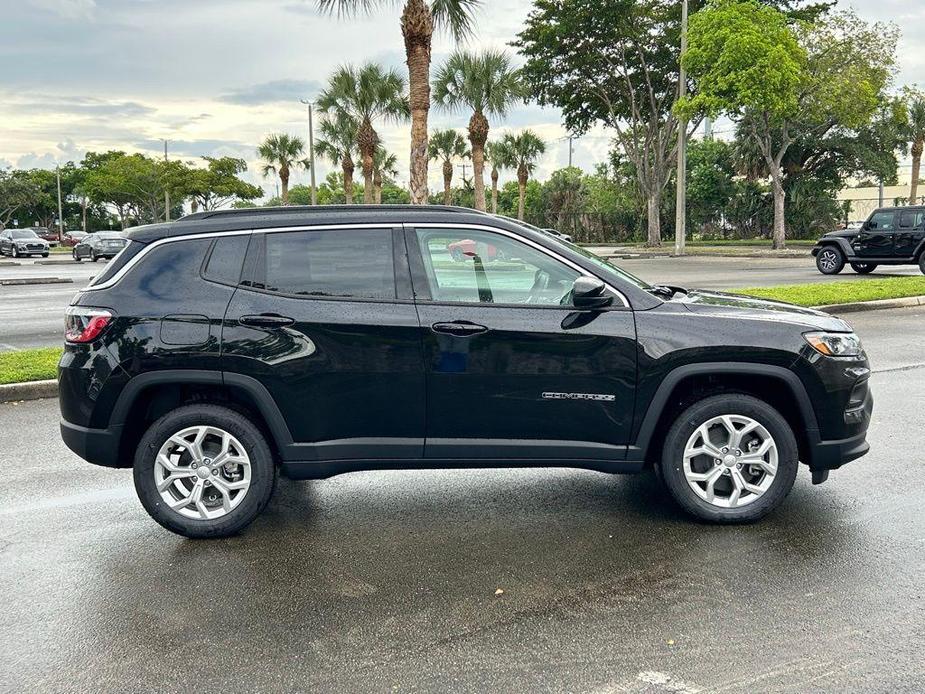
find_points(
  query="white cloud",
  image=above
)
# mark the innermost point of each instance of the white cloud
(68, 9)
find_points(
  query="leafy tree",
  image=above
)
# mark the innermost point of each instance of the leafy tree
(524, 148)
(418, 21)
(280, 152)
(710, 182)
(218, 184)
(488, 85)
(612, 62)
(780, 81)
(914, 133)
(500, 157)
(447, 146)
(384, 166)
(338, 144)
(17, 191)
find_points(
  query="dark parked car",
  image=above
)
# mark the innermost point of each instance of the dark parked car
(890, 236)
(22, 242)
(102, 244)
(49, 235)
(224, 348)
(72, 238)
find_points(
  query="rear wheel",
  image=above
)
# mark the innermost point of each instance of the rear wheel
(830, 260)
(93, 256)
(863, 268)
(204, 471)
(729, 459)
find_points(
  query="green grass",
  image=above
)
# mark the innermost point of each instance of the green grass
(739, 244)
(827, 293)
(29, 365)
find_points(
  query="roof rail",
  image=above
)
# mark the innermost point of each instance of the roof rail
(308, 209)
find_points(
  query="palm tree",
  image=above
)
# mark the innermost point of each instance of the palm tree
(365, 94)
(524, 150)
(447, 145)
(338, 144)
(485, 83)
(915, 131)
(500, 157)
(419, 18)
(280, 152)
(384, 164)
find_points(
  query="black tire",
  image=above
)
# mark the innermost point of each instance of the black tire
(15, 251)
(830, 260)
(76, 255)
(672, 469)
(922, 262)
(863, 268)
(263, 470)
(93, 256)
(44, 255)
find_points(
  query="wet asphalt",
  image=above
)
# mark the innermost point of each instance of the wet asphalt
(387, 581)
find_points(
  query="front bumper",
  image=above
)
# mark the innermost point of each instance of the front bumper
(832, 454)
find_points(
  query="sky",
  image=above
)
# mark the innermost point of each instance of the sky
(213, 77)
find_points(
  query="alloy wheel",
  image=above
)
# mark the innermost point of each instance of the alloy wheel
(730, 461)
(202, 472)
(828, 260)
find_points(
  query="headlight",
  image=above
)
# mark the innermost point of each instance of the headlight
(834, 344)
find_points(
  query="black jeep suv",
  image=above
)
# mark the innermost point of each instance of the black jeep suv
(890, 236)
(220, 349)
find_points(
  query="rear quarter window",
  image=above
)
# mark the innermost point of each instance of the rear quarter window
(225, 259)
(129, 251)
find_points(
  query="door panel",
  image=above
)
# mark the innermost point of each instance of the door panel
(876, 238)
(909, 232)
(345, 372)
(516, 379)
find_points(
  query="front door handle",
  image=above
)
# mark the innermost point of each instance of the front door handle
(266, 320)
(459, 328)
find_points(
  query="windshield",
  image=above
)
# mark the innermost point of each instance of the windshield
(23, 234)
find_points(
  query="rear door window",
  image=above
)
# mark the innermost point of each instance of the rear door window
(343, 263)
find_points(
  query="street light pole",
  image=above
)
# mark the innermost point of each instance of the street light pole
(311, 150)
(166, 188)
(680, 220)
(60, 207)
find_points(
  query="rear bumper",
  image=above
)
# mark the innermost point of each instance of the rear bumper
(97, 446)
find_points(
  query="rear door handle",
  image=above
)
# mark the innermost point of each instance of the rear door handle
(266, 320)
(459, 328)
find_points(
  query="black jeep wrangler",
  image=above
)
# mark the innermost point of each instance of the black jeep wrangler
(890, 236)
(221, 349)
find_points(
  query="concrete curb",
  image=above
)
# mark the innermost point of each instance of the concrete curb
(31, 390)
(15, 281)
(8, 263)
(873, 305)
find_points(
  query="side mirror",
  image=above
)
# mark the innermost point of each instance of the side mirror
(590, 293)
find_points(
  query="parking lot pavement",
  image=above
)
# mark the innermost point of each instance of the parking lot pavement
(386, 581)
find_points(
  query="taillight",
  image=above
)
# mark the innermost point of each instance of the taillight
(83, 324)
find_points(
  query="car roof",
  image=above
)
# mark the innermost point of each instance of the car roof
(306, 215)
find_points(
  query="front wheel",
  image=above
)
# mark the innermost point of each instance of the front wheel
(76, 255)
(863, 268)
(44, 255)
(93, 256)
(729, 459)
(922, 262)
(830, 261)
(15, 252)
(204, 471)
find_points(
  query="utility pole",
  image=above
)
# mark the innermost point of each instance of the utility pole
(60, 207)
(166, 188)
(571, 150)
(680, 220)
(881, 192)
(311, 150)
(463, 167)
(707, 128)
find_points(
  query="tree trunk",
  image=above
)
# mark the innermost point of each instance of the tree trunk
(377, 187)
(478, 136)
(447, 182)
(83, 213)
(654, 219)
(521, 191)
(367, 140)
(778, 236)
(348, 167)
(494, 190)
(284, 185)
(194, 205)
(417, 28)
(917, 148)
